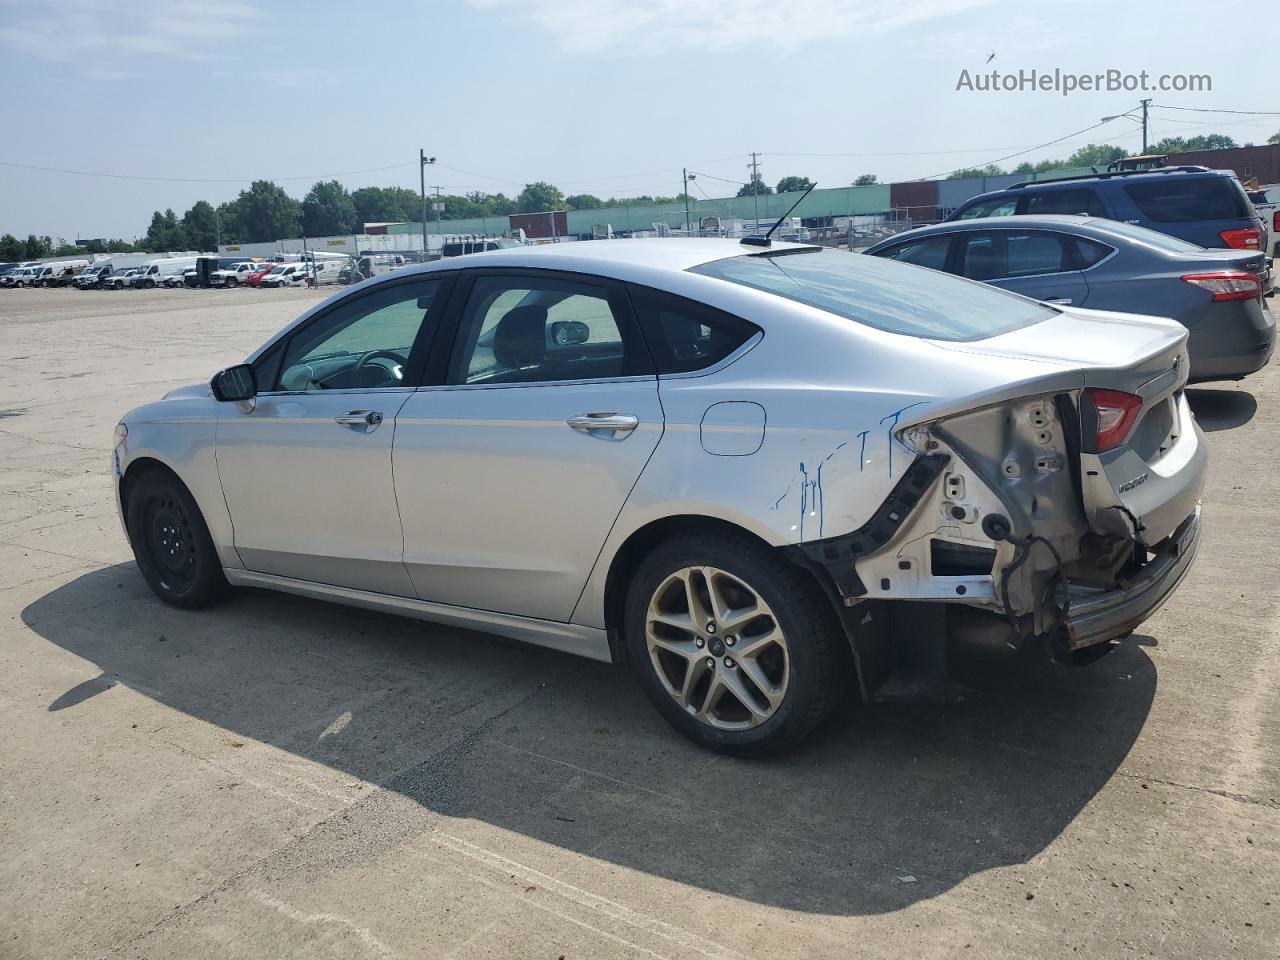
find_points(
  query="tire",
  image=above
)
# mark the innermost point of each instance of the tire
(232, 282)
(795, 681)
(19, 284)
(119, 285)
(171, 542)
(149, 285)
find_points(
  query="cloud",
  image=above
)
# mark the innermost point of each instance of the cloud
(83, 33)
(652, 26)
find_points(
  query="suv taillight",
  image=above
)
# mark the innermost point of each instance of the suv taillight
(1227, 285)
(1275, 222)
(1114, 413)
(1249, 238)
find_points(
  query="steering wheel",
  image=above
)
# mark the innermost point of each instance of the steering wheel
(400, 361)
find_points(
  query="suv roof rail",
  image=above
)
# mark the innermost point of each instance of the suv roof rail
(1187, 168)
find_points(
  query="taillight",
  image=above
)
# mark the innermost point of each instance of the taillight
(1114, 413)
(1249, 238)
(1275, 222)
(1227, 285)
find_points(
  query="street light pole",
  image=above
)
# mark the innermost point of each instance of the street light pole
(687, 177)
(423, 160)
(1145, 103)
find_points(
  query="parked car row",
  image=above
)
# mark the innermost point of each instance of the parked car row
(1182, 242)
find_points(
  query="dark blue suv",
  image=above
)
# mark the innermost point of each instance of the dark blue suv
(1205, 207)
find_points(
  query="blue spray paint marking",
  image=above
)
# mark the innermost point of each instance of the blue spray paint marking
(804, 496)
(777, 503)
(895, 417)
(862, 454)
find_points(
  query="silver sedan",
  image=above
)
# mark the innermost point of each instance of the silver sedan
(765, 478)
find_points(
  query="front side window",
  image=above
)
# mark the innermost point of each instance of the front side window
(882, 294)
(930, 252)
(522, 329)
(363, 343)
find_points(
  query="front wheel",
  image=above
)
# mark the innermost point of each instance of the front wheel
(171, 542)
(739, 650)
(19, 284)
(148, 284)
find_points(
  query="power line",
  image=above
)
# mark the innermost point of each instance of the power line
(129, 176)
(1028, 150)
(1252, 113)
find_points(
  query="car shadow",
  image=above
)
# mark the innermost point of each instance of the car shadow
(886, 806)
(1221, 409)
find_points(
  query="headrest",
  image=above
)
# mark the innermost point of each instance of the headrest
(521, 337)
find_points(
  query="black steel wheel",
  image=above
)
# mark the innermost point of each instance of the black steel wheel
(171, 542)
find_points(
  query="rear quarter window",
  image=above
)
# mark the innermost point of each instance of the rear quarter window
(685, 336)
(1183, 200)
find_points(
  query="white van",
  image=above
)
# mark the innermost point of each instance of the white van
(58, 273)
(154, 272)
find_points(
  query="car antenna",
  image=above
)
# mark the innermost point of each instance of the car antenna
(764, 241)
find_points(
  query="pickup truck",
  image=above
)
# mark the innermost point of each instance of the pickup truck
(235, 274)
(1266, 201)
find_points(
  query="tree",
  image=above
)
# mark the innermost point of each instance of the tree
(583, 201)
(538, 197)
(200, 226)
(386, 205)
(1208, 141)
(165, 232)
(754, 187)
(866, 180)
(794, 184)
(37, 247)
(328, 210)
(1274, 138)
(1095, 155)
(11, 248)
(990, 170)
(266, 212)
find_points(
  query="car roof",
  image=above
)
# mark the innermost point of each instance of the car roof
(1069, 222)
(619, 258)
(1139, 176)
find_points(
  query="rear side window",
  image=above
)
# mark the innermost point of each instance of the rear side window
(685, 336)
(1080, 200)
(995, 207)
(1186, 199)
(930, 252)
(1088, 252)
(1001, 254)
(882, 294)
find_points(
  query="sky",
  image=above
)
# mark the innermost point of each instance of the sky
(196, 99)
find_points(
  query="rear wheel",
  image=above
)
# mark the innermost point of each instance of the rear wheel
(171, 542)
(737, 649)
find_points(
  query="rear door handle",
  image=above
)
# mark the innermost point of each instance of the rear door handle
(624, 422)
(359, 418)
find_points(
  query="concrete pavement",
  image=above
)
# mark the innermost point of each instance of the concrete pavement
(277, 777)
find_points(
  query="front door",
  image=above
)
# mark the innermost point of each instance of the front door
(511, 474)
(307, 471)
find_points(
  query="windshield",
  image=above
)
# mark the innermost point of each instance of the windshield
(895, 297)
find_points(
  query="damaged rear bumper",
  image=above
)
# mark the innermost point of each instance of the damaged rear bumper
(1097, 616)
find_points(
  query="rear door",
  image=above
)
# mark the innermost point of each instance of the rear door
(511, 470)
(1040, 264)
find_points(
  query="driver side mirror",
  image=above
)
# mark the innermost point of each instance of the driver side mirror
(566, 333)
(234, 383)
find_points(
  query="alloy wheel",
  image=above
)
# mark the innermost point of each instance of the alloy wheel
(717, 648)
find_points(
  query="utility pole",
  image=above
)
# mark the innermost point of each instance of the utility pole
(423, 160)
(687, 177)
(1145, 103)
(755, 185)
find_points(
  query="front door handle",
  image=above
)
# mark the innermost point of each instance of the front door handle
(359, 418)
(624, 422)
